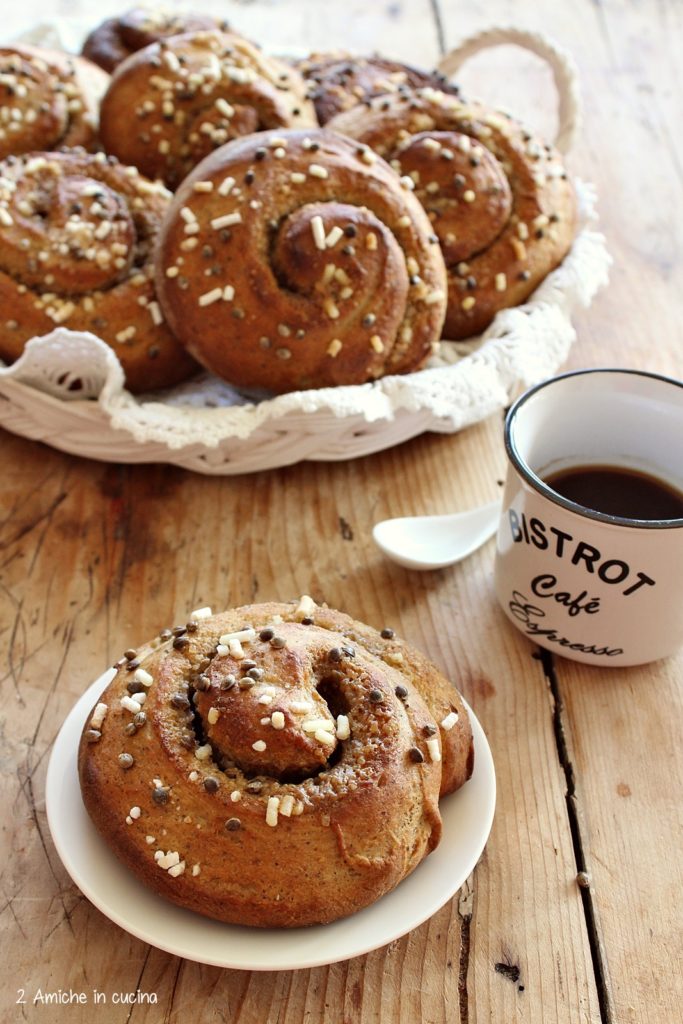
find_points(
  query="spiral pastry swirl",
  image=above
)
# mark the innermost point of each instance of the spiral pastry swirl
(117, 38)
(192, 93)
(47, 99)
(77, 235)
(296, 260)
(276, 765)
(339, 81)
(498, 198)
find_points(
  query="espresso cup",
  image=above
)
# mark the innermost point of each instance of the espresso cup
(595, 586)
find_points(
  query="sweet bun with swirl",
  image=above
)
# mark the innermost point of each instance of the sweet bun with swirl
(117, 38)
(338, 81)
(171, 104)
(498, 198)
(276, 765)
(48, 99)
(294, 260)
(77, 236)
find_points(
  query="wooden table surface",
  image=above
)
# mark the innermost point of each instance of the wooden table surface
(97, 557)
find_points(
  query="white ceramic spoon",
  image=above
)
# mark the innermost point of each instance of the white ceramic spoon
(432, 542)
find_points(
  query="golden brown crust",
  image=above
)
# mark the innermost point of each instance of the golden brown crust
(77, 234)
(48, 99)
(340, 80)
(174, 102)
(297, 260)
(289, 777)
(498, 198)
(117, 38)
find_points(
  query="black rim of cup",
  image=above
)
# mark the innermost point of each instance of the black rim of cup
(543, 488)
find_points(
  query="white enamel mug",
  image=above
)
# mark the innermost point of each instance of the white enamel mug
(593, 587)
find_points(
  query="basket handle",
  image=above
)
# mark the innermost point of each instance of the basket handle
(562, 65)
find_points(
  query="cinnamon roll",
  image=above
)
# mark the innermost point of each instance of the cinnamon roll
(292, 260)
(117, 38)
(339, 81)
(276, 765)
(47, 99)
(172, 103)
(77, 234)
(498, 198)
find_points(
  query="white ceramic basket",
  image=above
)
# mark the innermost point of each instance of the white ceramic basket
(207, 426)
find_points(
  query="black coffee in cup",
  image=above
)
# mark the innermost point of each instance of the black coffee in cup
(618, 491)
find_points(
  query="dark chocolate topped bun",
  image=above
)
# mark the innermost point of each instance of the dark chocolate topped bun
(339, 81)
(117, 38)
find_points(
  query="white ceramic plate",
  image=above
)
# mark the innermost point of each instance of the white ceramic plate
(467, 817)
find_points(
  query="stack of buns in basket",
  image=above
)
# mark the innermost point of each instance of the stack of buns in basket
(285, 224)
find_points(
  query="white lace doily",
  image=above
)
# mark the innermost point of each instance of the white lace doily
(207, 426)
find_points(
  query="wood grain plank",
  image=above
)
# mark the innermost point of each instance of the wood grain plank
(268, 536)
(624, 733)
(622, 728)
(93, 558)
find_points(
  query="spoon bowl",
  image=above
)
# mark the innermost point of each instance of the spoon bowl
(433, 542)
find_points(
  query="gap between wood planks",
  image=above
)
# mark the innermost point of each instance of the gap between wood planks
(438, 26)
(465, 905)
(547, 661)
(467, 894)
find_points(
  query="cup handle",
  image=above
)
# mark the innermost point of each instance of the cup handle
(562, 65)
